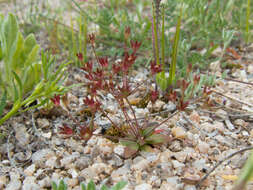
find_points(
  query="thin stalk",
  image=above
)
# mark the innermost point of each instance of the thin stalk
(163, 40)
(73, 37)
(131, 108)
(85, 33)
(247, 22)
(156, 51)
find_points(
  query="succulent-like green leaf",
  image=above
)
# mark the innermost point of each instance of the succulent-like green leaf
(148, 131)
(120, 185)
(162, 80)
(146, 148)
(130, 144)
(155, 139)
(83, 186)
(91, 186)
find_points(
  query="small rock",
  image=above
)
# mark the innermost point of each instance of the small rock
(176, 146)
(73, 173)
(88, 173)
(208, 127)
(119, 149)
(240, 122)
(15, 184)
(73, 182)
(3, 181)
(30, 170)
(69, 159)
(116, 161)
(141, 165)
(203, 147)
(143, 186)
(250, 68)
(43, 123)
(83, 162)
(178, 132)
(222, 114)
(45, 182)
(229, 125)
(29, 184)
(99, 168)
(120, 172)
(21, 134)
(170, 106)
(47, 135)
(39, 157)
(190, 187)
(245, 133)
(176, 164)
(199, 164)
(157, 106)
(52, 162)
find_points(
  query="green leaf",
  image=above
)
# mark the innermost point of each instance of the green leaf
(91, 186)
(120, 185)
(162, 81)
(3, 102)
(29, 44)
(20, 91)
(54, 186)
(10, 32)
(146, 148)
(148, 131)
(155, 139)
(130, 144)
(104, 187)
(246, 174)
(83, 186)
(174, 51)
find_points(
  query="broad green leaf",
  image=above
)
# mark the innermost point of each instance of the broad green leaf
(148, 131)
(10, 32)
(29, 44)
(130, 144)
(155, 139)
(120, 185)
(3, 102)
(33, 56)
(18, 60)
(146, 148)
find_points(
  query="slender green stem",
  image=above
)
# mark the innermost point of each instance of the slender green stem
(155, 36)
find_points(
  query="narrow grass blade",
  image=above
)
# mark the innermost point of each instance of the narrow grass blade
(3, 102)
(174, 51)
(246, 174)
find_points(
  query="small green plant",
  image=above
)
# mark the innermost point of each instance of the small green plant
(61, 186)
(17, 55)
(24, 77)
(90, 186)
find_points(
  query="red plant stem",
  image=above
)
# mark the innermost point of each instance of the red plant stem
(108, 117)
(94, 51)
(172, 115)
(131, 108)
